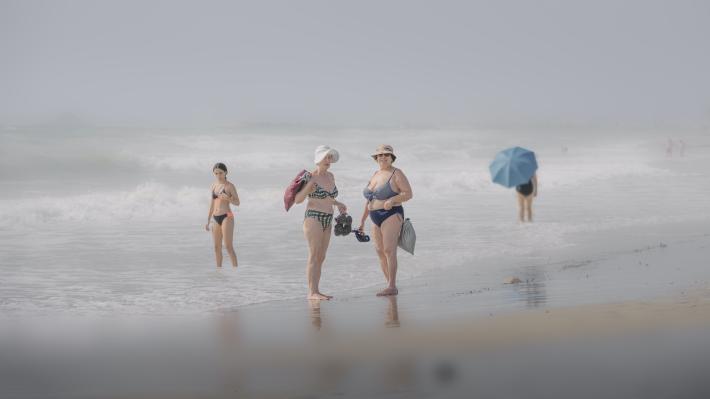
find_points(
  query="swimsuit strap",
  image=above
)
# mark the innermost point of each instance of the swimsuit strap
(388, 180)
(393, 172)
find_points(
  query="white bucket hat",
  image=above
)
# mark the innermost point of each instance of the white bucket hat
(323, 151)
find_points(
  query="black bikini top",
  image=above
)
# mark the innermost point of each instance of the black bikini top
(215, 196)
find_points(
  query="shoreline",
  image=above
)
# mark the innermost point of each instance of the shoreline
(618, 253)
(576, 322)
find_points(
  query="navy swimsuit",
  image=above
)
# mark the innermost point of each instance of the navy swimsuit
(525, 189)
(384, 192)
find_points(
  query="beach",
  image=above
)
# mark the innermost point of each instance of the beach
(111, 221)
(109, 288)
(630, 321)
(150, 153)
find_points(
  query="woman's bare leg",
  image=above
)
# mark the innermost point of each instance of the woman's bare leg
(521, 208)
(324, 250)
(391, 228)
(228, 234)
(217, 236)
(314, 233)
(380, 250)
(528, 207)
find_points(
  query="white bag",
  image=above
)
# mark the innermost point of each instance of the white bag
(407, 237)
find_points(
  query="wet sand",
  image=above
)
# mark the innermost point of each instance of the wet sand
(627, 316)
(645, 349)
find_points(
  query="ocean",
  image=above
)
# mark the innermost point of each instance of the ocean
(105, 221)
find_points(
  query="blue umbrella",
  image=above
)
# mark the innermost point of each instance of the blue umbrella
(513, 167)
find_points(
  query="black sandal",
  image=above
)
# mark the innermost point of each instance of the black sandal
(342, 227)
(362, 237)
(347, 225)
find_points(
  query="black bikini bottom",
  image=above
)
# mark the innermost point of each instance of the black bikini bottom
(220, 218)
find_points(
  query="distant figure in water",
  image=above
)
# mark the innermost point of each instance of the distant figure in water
(222, 193)
(681, 145)
(669, 148)
(526, 193)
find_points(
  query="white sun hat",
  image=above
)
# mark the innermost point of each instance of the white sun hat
(323, 151)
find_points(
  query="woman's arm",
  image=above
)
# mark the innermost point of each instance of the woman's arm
(209, 214)
(234, 196)
(307, 189)
(341, 207)
(405, 189)
(365, 213)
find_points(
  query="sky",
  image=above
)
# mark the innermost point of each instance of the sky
(356, 63)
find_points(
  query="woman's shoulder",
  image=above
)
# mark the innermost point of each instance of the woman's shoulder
(400, 178)
(374, 175)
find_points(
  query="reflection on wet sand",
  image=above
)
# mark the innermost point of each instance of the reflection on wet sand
(391, 314)
(228, 328)
(230, 350)
(392, 318)
(532, 288)
(316, 319)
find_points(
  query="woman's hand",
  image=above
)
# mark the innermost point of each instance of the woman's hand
(361, 228)
(309, 187)
(341, 207)
(207, 226)
(225, 196)
(387, 205)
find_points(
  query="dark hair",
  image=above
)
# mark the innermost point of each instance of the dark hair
(220, 165)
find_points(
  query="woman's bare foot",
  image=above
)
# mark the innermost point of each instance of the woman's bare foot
(319, 296)
(325, 295)
(388, 291)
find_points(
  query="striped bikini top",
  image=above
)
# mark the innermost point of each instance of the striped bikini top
(321, 193)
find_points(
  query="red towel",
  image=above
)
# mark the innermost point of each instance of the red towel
(294, 187)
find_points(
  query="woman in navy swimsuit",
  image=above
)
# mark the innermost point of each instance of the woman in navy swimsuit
(222, 193)
(526, 193)
(387, 190)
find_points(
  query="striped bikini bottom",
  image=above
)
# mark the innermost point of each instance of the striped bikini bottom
(324, 218)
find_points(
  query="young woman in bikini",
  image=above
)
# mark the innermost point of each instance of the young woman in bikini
(220, 216)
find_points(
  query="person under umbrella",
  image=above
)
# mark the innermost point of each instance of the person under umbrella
(526, 193)
(516, 167)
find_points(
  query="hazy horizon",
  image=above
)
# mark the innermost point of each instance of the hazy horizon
(461, 64)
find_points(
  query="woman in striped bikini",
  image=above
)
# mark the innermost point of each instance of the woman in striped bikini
(321, 192)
